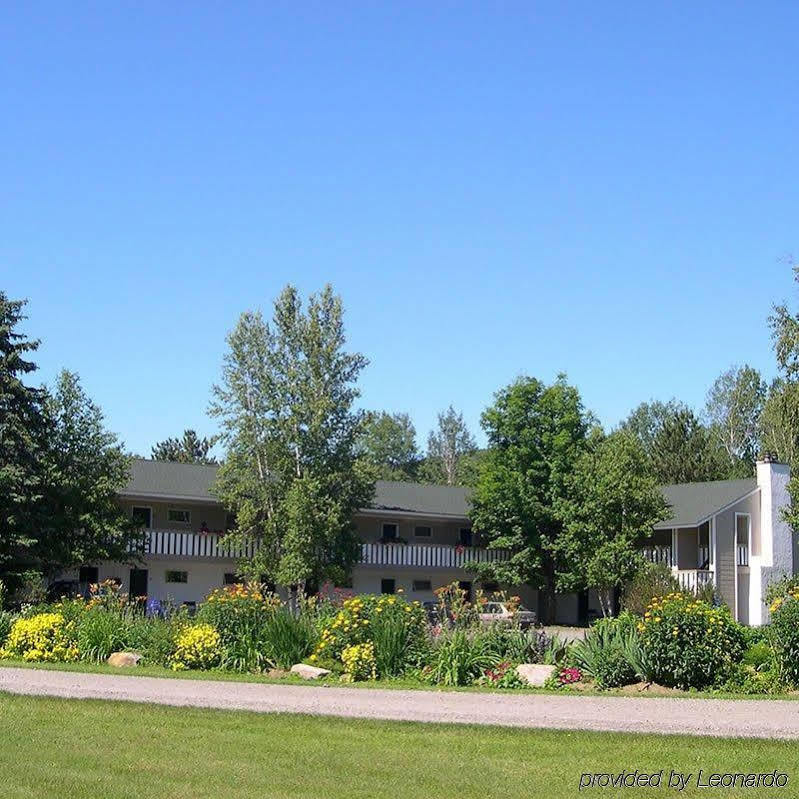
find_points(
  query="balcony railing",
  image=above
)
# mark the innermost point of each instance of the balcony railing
(191, 545)
(743, 555)
(693, 579)
(435, 556)
(658, 554)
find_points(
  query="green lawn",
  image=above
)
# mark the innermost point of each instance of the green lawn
(78, 748)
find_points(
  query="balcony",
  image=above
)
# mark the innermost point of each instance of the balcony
(693, 580)
(191, 545)
(433, 556)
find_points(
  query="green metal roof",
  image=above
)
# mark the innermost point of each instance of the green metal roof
(691, 503)
(694, 503)
(190, 481)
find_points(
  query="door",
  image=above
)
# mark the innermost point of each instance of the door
(138, 583)
(466, 587)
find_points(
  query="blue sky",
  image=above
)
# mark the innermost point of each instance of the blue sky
(604, 189)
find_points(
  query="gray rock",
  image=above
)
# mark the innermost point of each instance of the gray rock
(308, 672)
(535, 674)
(122, 659)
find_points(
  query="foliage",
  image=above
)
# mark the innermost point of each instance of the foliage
(86, 468)
(651, 581)
(197, 647)
(568, 676)
(759, 656)
(678, 447)
(684, 451)
(348, 627)
(449, 447)
(287, 638)
(611, 505)
(100, 632)
(610, 652)
(240, 614)
(686, 643)
(6, 622)
(291, 474)
(745, 679)
(23, 440)
(733, 409)
(43, 637)
(503, 675)
(536, 435)
(454, 609)
(154, 637)
(398, 630)
(388, 442)
(189, 448)
(779, 422)
(459, 657)
(359, 661)
(788, 584)
(785, 635)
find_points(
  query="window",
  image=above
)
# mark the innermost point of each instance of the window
(143, 516)
(742, 525)
(177, 577)
(230, 521)
(89, 574)
(423, 531)
(178, 516)
(390, 531)
(466, 536)
(422, 585)
(230, 578)
(388, 586)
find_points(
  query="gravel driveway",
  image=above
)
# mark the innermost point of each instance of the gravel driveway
(717, 717)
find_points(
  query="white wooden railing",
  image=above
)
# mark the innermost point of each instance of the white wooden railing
(660, 553)
(191, 545)
(694, 579)
(428, 555)
(743, 555)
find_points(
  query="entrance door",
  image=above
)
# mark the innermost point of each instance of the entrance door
(138, 583)
(466, 587)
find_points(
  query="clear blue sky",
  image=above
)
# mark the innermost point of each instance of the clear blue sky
(494, 189)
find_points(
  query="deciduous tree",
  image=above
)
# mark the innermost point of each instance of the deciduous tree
(536, 435)
(388, 442)
(448, 448)
(291, 475)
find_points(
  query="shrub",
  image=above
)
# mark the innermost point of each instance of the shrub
(652, 581)
(398, 630)
(240, 613)
(6, 622)
(610, 652)
(748, 680)
(101, 632)
(44, 637)
(503, 675)
(154, 638)
(783, 587)
(686, 643)
(359, 661)
(197, 647)
(785, 635)
(460, 657)
(516, 645)
(287, 639)
(348, 628)
(760, 656)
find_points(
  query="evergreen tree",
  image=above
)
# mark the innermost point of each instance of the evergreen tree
(189, 448)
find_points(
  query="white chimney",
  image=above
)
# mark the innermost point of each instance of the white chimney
(776, 538)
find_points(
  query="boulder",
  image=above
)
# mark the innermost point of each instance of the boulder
(122, 659)
(535, 674)
(308, 672)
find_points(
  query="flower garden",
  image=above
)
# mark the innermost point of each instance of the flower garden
(677, 641)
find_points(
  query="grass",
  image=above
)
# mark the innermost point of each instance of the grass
(81, 749)
(396, 684)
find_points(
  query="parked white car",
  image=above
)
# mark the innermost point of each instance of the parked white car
(499, 611)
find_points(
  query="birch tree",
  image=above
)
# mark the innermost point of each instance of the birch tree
(290, 473)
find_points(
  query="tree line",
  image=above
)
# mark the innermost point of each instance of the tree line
(567, 499)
